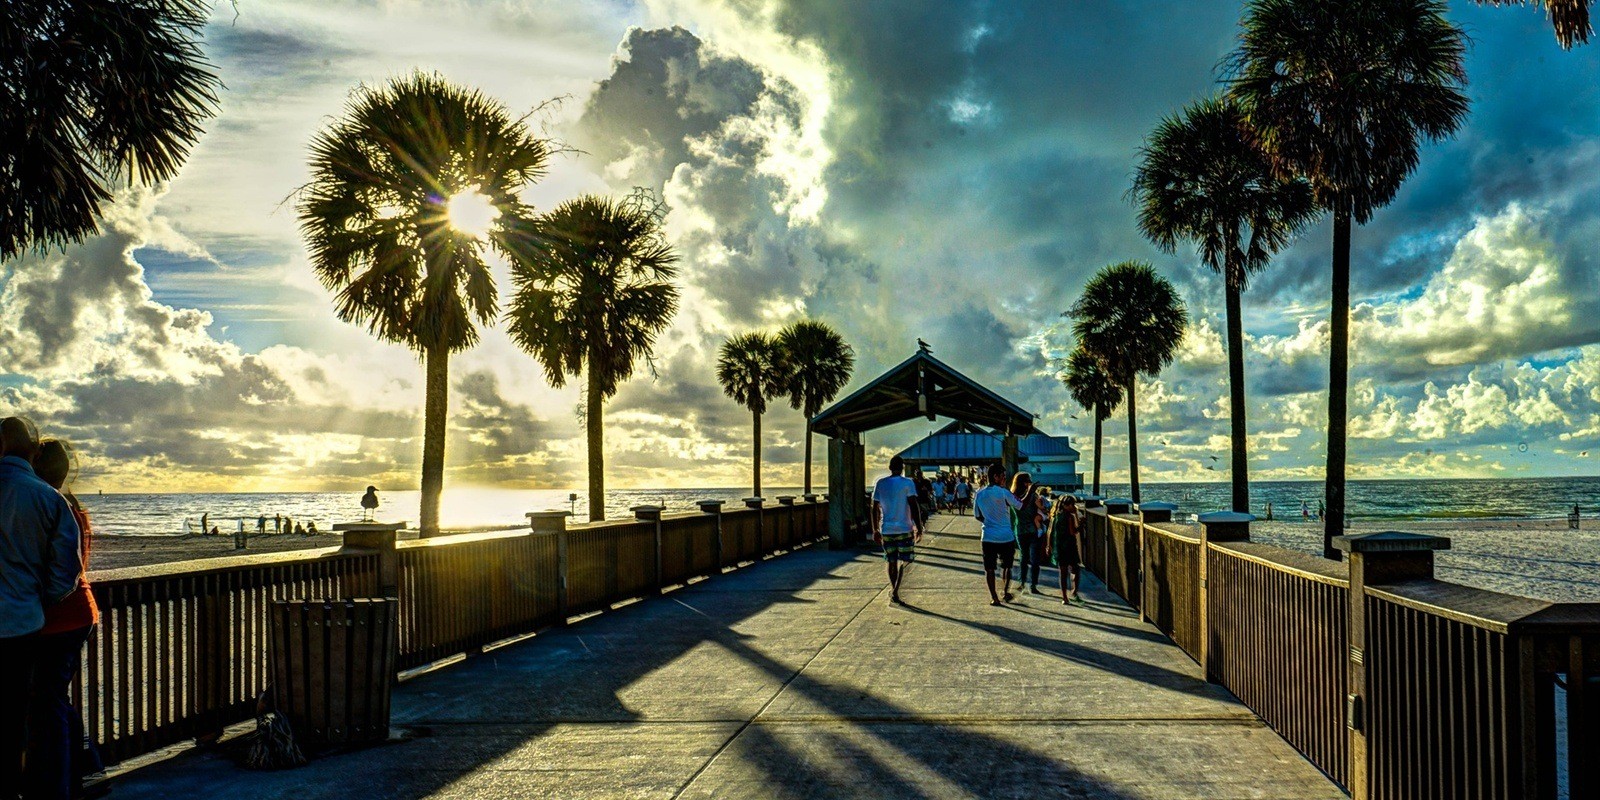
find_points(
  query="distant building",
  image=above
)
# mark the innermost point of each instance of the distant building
(1051, 460)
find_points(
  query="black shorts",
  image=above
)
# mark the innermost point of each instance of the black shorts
(1067, 555)
(1002, 552)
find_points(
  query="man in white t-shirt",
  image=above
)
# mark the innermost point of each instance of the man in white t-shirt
(993, 506)
(963, 494)
(895, 525)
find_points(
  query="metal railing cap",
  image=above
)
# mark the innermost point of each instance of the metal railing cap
(340, 527)
(1158, 505)
(1222, 517)
(1118, 501)
(1390, 542)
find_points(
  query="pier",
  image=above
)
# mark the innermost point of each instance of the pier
(794, 677)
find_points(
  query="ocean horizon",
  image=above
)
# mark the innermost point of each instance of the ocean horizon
(177, 513)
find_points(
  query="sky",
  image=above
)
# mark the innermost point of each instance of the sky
(953, 171)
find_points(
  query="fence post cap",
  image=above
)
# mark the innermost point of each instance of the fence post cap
(754, 502)
(368, 526)
(811, 498)
(547, 514)
(1225, 517)
(649, 512)
(1158, 506)
(710, 506)
(1119, 501)
(786, 499)
(1390, 542)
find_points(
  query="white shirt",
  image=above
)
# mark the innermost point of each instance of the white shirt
(892, 492)
(994, 504)
(962, 490)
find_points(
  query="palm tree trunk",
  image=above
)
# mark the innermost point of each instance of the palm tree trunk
(1241, 463)
(597, 459)
(756, 469)
(436, 394)
(1338, 379)
(1133, 439)
(808, 456)
(1098, 419)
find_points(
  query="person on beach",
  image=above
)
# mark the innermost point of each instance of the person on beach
(261, 524)
(896, 523)
(59, 756)
(1305, 511)
(993, 506)
(1064, 550)
(205, 522)
(1025, 523)
(311, 529)
(277, 523)
(963, 495)
(40, 565)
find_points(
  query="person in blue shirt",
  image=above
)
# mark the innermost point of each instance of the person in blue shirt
(993, 506)
(39, 565)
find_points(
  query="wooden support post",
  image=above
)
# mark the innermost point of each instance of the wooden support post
(1375, 559)
(381, 537)
(838, 491)
(714, 508)
(1215, 526)
(1149, 513)
(652, 515)
(554, 523)
(1009, 451)
(756, 503)
(785, 513)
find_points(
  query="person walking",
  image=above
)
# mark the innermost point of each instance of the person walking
(1025, 523)
(993, 506)
(896, 523)
(1065, 552)
(40, 564)
(59, 757)
(963, 495)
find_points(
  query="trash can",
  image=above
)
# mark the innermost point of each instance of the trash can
(333, 668)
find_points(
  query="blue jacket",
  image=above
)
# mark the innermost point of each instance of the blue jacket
(39, 553)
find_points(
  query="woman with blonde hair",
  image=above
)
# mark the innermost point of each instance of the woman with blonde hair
(1025, 522)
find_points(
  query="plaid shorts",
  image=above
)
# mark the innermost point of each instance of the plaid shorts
(898, 547)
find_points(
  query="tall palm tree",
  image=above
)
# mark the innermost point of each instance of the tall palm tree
(1570, 18)
(1095, 390)
(1131, 320)
(1344, 94)
(748, 368)
(93, 93)
(817, 362)
(1201, 178)
(592, 300)
(408, 191)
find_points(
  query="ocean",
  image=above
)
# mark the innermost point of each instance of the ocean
(482, 508)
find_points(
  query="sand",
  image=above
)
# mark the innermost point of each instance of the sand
(1533, 558)
(115, 552)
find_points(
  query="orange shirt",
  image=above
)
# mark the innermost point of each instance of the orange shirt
(79, 609)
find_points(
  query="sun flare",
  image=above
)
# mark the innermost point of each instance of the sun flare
(472, 213)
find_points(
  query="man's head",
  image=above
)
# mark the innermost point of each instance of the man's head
(19, 438)
(54, 462)
(897, 465)
(997, 474)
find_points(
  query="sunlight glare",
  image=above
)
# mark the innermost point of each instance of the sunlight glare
(472, 213)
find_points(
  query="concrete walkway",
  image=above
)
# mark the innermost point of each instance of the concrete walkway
(796, 678)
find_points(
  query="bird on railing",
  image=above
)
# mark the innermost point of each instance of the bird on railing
(369, 501)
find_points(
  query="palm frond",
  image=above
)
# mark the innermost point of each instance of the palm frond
(1570, 18)
(1089, 384)
(1130, 318)
(817, 362)
(747, 368)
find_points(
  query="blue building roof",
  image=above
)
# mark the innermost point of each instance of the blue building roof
(959, 444)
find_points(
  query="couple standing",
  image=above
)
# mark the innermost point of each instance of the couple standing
(1013, 516)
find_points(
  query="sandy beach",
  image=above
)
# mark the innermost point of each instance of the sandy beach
(116, 552)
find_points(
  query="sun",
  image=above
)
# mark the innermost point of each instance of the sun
(472, 213)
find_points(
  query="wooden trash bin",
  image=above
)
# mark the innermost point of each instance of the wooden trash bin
(333, 668)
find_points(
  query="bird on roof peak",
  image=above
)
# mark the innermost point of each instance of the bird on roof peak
(924, 346)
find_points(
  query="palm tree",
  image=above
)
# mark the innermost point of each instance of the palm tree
(818, 362)
(749, 370)
(592, 300)
(1131, 320)
(1202, 179)
(1343, 94)
(1093, 389)
(408, 190)
(1570, 18)
(92, 94)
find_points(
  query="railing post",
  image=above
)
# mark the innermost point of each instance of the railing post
(1215, 526)
(652, 514)
(1119, 505)
(714, 508)
(787, 502)
(811, 518)
(761, 525)
(554, 523)
(379, 536)
(1375, 559)
(1149, 513)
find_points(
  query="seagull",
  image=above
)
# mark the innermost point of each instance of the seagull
(369, 501)
(924, 346)
(1213, 458)
(1074, 416)
(1211, 468)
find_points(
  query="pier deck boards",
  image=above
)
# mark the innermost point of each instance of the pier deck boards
(795, 678)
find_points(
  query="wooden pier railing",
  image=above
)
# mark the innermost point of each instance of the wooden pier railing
(1394, 684)
(181, 651)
